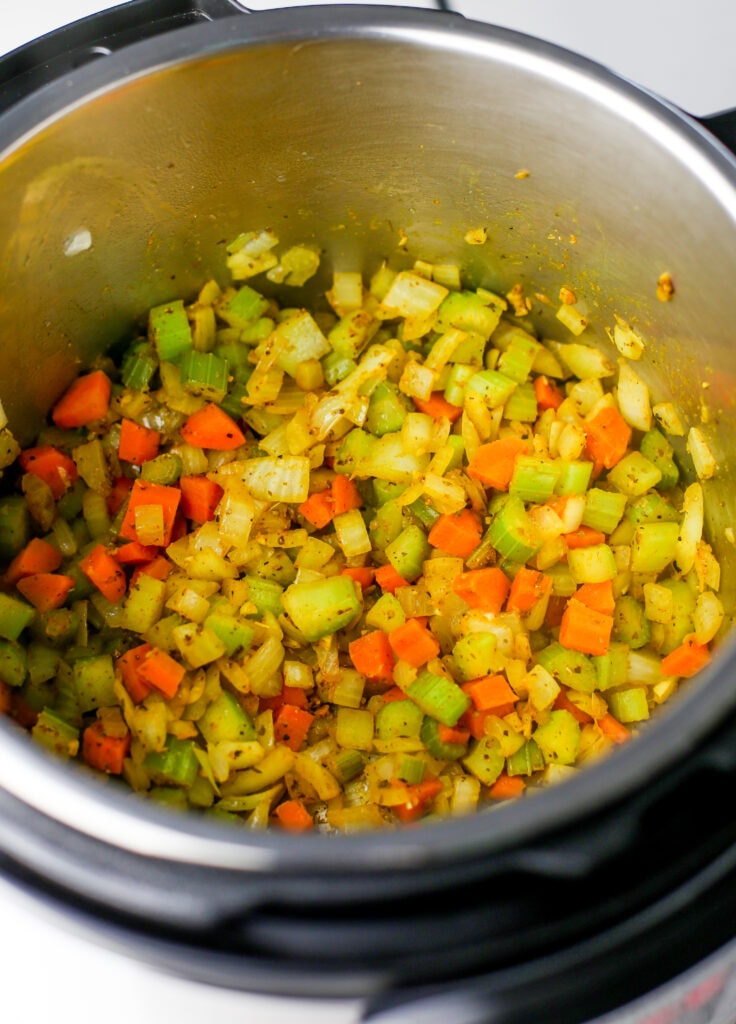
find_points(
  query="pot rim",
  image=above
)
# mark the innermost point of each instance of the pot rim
(92, 807)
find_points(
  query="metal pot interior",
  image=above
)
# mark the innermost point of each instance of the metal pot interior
(378, 135)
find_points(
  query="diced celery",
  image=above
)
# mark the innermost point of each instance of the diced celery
(94, 682)
(651, 508)
(352, 333)
(680, 623)
(468, 311)
(493, 387)
(321, 607)
(242, 307)
(177, 765)
(512, 533)
(387, 409)
(475, 655)
(385, 614)
(408, 551)
(266, 595)
(225, 719)
(594, 564)
(574, 477)
(430, 736)
(412, 769)
(603, 509)
(570, 668)
(630, 624)
(163, 469)
(517, 360)
(653, 546)
(13, 663)
(527, 760)
(336, 367)
(346, 764)
(234, 633)
(611, 668)
(629, 705)
(43, 662)
(655, 447)
(634, 474)
(485, 760)
(354, 728)
(204, 374)
(438, 697)
(57, 735)
(139, 367)
(15, 615)
(558, 738)
(534, 478)
(145, 603)
(398, 718)
(169, 330)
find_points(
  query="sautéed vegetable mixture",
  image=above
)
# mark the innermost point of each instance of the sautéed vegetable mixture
(391, 558)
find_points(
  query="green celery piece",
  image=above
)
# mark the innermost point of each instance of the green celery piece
(13, 663)
(242, 308)
(593, 564)
(144, 604)
(534, 478)
(517, 360)
(398, 718)
(387, 409)
(204, 374)
(674, 632)
(408, 552)
(493, 387)
(266, 595)
(15, 526)
(475, 656)
(522, 404)
(468, 311)
(321, 607)
(653, 546)
(630, 624)
(386, 525)
(15, 615)
(655, 447)
(139, 367)
(233, 402)
(485, 553)
(574, 476)
(511, 532)
(629, 705)
(276, 567)
(169, 330)
(457, 379)
(94, 680)
(558, 738)
(612, 668)
(469, 352)
(69, 505)
(225, 719)
(43, 661)
(570, 668)
(563, 584)
(438, 697)
(58, 736)
(527, 760)
(235, 634)
(163, 469)
(382, 491)
(352, 332)
(83, 586)
(57, 627)
(425, 513)
(603, 509)
(651, 508)
(430, 737)
(346, 764)
(336, 367)
(353, 451)
(386, 614)
(258, 331)
(412, 770)
(161, 634)
(177, 765)
(201, 793)
(169, 796)
(634, 475)
(457, 444)
(485, 760)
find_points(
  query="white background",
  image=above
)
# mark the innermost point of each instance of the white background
(681, 49)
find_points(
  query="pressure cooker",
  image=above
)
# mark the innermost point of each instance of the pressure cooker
(134, 144)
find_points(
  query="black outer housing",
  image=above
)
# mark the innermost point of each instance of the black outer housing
(564, 928)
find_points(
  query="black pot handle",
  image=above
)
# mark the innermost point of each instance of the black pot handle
(723, 126)
(39, 62)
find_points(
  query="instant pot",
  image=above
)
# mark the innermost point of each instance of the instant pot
(133, 145)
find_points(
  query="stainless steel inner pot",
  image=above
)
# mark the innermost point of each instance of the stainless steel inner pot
(377, 133)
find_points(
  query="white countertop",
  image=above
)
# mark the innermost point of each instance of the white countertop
(680, 50)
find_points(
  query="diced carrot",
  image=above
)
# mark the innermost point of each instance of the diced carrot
(555, 611)
(129, 664)
(345, 494)
(291, 726)
(686, 660)
(145, 493)
(583, 537)
(372, 655)
(527, 587)
(563, 703)
(584, 629)
(362, 574)
(200, 497)
(135, 553)
(6, 701)
(486, 589)
(457, 533)
(162, 672)
(137, 443)
(598, 596)
(493, 463)
(388, 579)
(159, 567)
(318, 509)
(607, 437)
(21, 711)
(118, 495)
(289, 695)
(452, 734)
(507, 787)
(549, 395)
(51, 465)
(86, 400)
(474, 721)
(419, 797)
(45, 590)
(37, 556)
(211, 427)
(100, 567)
(103, 752)
(438, 407)
(613, 729)
(413, 643)
(392, 694)
(490, 692)
(293, 815)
